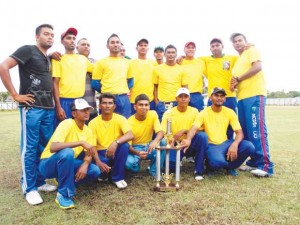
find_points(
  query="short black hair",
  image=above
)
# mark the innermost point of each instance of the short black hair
(140, 98)
(107, 95)
(39, 28)
(81, 39)
(234, 35)
(170, 46)
(113, 35)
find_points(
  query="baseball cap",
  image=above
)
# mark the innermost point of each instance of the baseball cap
(182, 91)
(216, 40)
(79, 104)
(159, 48)
(218, 90)
(190, 43)
(141, 41)
(71, 30)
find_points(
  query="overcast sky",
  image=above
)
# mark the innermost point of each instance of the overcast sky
(272, 25)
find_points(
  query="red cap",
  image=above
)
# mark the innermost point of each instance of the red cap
(71, 30)
(190, 43)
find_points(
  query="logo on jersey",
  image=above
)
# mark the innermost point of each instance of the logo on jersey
(226, 65)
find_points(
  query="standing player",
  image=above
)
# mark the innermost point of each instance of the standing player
(194, 69)
(111, 75)
(84, 48)
(218, 71)
(159, 55)
(36, 106)
(250, 83)
(69, 76)
(167, 79)
(142, 69)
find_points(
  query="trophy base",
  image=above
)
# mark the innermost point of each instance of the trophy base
(164, 188)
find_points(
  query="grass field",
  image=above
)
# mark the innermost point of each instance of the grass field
(218, 199)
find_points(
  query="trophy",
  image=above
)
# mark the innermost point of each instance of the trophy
(167, 184)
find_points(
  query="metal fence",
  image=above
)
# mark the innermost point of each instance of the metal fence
(7, 106)
(283, 101)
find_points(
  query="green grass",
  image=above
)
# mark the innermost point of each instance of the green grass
(218, 199)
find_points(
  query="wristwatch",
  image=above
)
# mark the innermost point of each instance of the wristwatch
(117, 141)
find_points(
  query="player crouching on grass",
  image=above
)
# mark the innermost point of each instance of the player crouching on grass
(221, 152)
(144, 123)
(68, 155)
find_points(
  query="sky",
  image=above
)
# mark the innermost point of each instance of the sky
(273, 26)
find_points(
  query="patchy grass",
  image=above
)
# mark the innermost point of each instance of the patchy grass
(218, 199)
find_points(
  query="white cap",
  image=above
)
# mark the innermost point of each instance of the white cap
(80, 103)
(183, 91)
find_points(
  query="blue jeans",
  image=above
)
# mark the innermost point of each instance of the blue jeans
(216, 154)
(36, 130)
(133, 161)
(63, 167)
(117, 163)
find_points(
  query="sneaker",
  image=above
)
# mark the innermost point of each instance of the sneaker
(121, 184)
(198, 176)
(246, 168)
(190, 160)
(34, 198)
(47, 188)
(259, 173)
(64, 202)
(232, 172)
(101, 179)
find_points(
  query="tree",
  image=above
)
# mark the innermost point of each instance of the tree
(3, 96)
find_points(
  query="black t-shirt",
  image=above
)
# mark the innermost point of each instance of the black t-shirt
(35, 76)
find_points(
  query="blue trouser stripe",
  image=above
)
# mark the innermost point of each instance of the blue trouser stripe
(251, 112)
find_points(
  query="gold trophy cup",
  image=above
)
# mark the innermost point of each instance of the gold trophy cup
(167, 184)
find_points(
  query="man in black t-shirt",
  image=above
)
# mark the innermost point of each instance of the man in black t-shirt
(36, 107)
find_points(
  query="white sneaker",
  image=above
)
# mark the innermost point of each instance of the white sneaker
(198, 177)
(259, 173)
(47, 188)
(190, 160)
(121, 184)
(34, 198)
(246, 168)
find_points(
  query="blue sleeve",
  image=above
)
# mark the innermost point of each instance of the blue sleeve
(130, 82)
(96, 85)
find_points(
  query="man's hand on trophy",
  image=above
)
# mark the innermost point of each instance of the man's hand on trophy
(151, 146)
(185, 144)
